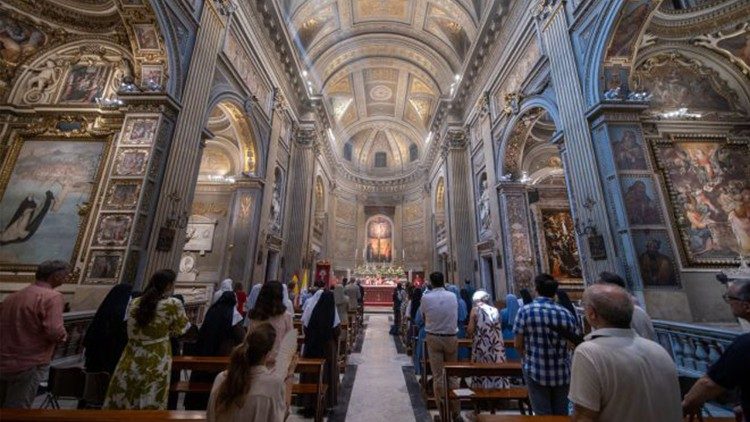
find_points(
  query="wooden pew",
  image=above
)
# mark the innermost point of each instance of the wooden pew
(521, 418)
(219, 363)
(469, 369)
(72, 415)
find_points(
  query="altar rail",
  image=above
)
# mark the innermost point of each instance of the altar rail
(76, 324)
(693, 347)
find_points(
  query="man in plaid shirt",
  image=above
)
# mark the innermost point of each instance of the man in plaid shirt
(541, 328)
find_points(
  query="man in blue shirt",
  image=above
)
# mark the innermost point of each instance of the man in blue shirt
(540, 330)
(732, 370)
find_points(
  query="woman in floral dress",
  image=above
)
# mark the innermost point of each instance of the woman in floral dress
(487, 347)
(141, 379)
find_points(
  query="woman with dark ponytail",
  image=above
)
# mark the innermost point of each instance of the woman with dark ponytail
(141, 378)
(248, 390)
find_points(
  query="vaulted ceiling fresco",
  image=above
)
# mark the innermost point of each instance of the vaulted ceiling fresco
(381, 67)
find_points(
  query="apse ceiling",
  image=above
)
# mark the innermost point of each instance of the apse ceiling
(381, 68)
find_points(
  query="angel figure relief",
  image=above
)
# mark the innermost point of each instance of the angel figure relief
(39, 87)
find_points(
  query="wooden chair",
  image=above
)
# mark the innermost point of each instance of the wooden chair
(470, 369)
(67, 382)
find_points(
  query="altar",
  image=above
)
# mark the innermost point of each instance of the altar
(378, 295)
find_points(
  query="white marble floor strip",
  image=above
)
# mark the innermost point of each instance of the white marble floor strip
(379, 393)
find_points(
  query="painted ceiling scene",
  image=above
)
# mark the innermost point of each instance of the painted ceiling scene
(381, 68)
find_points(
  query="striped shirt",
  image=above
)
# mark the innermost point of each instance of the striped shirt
(546, 353)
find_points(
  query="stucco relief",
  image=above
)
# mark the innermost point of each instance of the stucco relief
(346, 211)
(413, 211)
(242, 62)
(521, 71)
(414, 243)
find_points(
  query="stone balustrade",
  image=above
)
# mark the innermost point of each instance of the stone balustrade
(694, 348)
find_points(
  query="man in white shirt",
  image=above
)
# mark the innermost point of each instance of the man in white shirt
(440, 311)
(641, 322)
(616, 374)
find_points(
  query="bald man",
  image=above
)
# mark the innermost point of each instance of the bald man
(616, 374)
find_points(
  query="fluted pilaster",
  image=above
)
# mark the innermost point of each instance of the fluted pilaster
(461, 205)
(183, 162)
(585, 187)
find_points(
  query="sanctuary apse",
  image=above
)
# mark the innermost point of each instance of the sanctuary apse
(267, 139)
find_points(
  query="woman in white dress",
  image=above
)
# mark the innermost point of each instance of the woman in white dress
(487, 346)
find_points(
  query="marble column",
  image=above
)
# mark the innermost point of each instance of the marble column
(517, 238)
(299, 201)
(588, 205)
(181, 171)
(461, 206)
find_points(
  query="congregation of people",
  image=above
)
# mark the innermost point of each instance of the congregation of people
(599, 361)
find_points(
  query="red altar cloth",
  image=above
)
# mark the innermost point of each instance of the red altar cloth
(379, 295)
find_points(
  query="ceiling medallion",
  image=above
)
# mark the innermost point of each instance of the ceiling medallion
(381, 93)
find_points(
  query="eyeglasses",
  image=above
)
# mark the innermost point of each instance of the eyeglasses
(727, 297)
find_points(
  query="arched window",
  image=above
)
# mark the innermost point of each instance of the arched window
(413, 152)
(348, 151)
(381, 160)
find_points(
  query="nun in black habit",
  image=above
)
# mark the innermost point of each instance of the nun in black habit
(107, 335)
(321, 323)
(221, 331)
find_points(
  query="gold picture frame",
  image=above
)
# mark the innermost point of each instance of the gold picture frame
(54, 142)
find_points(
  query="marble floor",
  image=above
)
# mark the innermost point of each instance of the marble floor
(379, 392)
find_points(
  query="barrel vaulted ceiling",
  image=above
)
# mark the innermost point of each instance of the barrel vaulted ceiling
(381, 67)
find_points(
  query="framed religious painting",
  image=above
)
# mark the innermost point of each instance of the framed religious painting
(122, 195)
(656, 259)
(131, 162)
(642, 203)
(104, 267)
(84, 83)
(152, 74)
(47, 185)
(146, 37)
(708, 183)
(139, 131)
(560, 248)
(113, 230)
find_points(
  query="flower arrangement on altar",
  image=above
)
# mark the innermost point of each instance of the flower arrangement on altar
(385, 275)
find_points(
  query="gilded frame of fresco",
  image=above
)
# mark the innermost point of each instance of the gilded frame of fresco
(545, 246)
(678, 221)
(64, 129)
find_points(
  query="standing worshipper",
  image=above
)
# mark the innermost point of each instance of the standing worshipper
(361, 294)
(507, 319)
(487, 345)
(731, 370)
(321, 323)
(250, 391)
(252, 297)
(241, 295)
(225, 286)
(419, 328)
(220, 332)
(463, 316)
(440, 312)
(526, 296)
(352, 292)
(31, 326)
(141, 378)
(397, 298)
(616, 374)
(640, 322)
(545, 352)
(342, 303)
(107, 334)
(271, 308)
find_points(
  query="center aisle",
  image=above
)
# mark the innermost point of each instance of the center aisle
(379, 392)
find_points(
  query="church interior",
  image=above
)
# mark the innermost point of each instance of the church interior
(316, 141)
